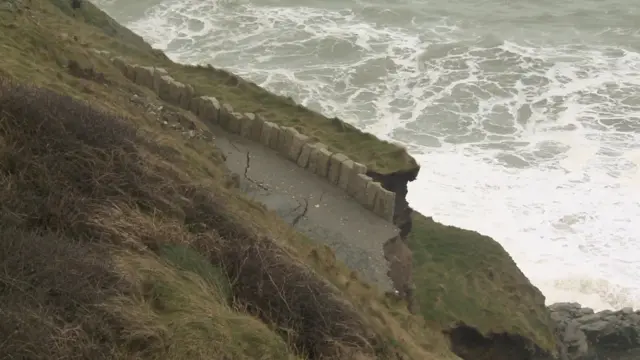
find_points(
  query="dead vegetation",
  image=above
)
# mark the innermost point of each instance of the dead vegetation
(81, 189)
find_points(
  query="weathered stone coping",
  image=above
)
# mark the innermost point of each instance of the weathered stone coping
(315, 157)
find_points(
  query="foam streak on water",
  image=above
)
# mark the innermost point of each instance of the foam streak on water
(529, 134)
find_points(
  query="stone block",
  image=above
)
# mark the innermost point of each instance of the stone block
(314, 157)
(130, 71)
(235, 122)
(195, 105)
(246, 125)
(359, 188)
(322, 165)
(209, 111)
(256, 128)
(144, 76)
(177, 89)
(373, 189)
(275, 137)
(346, 169)
(335, 164)
(158, 73)
(267, 132)
(119, 63)
(385, 204)
(164, 87)
(226, 112)
(352, 187)
(297, 143)
(303, 159)
(186, 96)
(172, 91)
(285, 138)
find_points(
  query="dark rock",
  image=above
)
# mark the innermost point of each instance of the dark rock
(587, 335)
(469, 344)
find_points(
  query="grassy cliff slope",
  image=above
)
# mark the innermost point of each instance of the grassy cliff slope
(123, 240)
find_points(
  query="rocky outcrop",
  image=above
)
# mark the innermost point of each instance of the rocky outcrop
(605, 335)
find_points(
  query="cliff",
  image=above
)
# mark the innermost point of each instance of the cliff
(137, 239)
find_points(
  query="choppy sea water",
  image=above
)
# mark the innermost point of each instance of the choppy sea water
(525, 115)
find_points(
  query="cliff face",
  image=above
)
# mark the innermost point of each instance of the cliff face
(467, 283)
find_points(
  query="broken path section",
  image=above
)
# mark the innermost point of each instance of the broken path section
(316, 208)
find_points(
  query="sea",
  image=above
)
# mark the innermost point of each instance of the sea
(524, 115)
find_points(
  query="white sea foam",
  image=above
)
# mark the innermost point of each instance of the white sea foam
(535, 145)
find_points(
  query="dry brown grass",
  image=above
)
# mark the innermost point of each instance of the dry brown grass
(80, 190)
(50, 291)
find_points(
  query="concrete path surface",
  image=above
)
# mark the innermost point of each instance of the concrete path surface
(311, 205)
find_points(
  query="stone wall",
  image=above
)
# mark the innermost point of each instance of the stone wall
(316, 157)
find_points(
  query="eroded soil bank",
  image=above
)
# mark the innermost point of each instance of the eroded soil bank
(466, 341)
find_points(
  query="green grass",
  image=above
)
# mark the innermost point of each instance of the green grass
(189, 309)
(378, 155)
(461, 275)
(187, 259)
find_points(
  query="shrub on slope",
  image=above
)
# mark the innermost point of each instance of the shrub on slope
(85, 181)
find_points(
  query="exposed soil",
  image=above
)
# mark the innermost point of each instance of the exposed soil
(396, 250)
(400, 272)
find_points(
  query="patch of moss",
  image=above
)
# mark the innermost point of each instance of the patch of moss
(461, 275)
(187, 259)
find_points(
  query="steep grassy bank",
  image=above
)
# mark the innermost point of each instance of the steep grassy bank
(121, 239)
(469, 283)
(128, 242)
